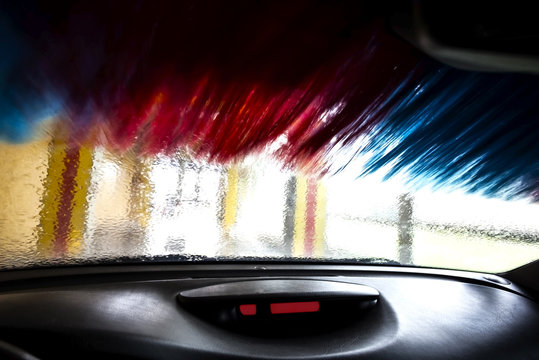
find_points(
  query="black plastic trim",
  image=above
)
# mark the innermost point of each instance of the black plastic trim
(17, 279)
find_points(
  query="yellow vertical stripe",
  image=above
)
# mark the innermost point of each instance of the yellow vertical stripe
(51, 196)
(79, 205)
(231, 199)
(299, 216)
(320, 224)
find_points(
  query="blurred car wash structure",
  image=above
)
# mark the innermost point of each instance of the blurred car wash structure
(76, 203)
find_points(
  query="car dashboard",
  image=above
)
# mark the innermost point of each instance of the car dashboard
(140, 312)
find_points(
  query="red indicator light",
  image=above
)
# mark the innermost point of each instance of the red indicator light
(295, 307)
(248, 309)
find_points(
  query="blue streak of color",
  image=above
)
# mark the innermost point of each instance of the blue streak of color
(473, 130)
(22, 103)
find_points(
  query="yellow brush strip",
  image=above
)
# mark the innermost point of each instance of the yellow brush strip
(51, 196)
(231, 199)
(299, 217)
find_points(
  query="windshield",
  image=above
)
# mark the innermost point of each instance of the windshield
(192, 132)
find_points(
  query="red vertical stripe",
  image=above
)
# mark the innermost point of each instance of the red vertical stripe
(67, 192)
(310, 218)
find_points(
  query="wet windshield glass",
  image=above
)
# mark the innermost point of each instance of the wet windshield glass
(188, 131)
(68, 204)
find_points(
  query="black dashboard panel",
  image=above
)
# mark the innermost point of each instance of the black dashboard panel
(133, 312)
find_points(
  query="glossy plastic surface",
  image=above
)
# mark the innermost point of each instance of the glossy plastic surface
(136, 315)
